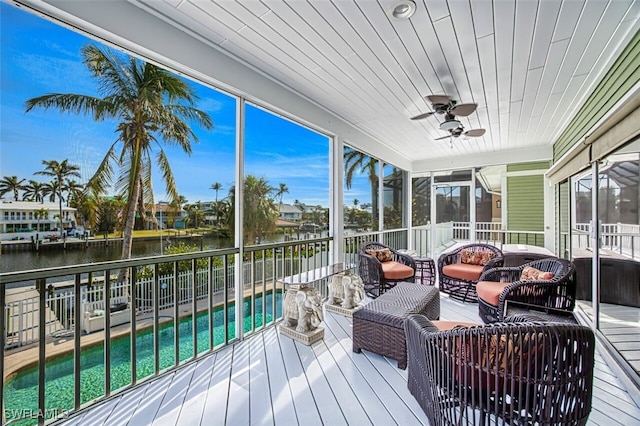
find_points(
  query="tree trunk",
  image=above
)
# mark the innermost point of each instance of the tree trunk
(63, 234)
(127, 234)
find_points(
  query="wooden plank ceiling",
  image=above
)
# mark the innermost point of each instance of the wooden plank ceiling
(528, 64)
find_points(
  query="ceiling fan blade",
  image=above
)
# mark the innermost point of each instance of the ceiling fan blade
(421, 116)
(475, 133)
(438, 99)
(462, 110)
(443, 137)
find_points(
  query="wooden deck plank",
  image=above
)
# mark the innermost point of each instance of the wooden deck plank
(261, 411)
(301, 392)
(196, 396)
(98, 415)
(125, 406)
(375, 373)
(342, 391)
(239, 386)
(341, 349)
(284, 412)
(325, 400)
(397, 378)
(215, 408)
(151, 400)
(173, 399)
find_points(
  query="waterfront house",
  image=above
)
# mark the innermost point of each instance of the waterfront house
(557, 88)
(167, 215)
(20, 220)
(290, 211)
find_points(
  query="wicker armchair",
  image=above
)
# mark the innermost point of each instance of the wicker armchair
(459, 279)
(499, 285)
(506, 373)
(380, 276)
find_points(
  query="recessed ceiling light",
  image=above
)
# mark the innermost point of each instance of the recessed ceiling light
(403, 9)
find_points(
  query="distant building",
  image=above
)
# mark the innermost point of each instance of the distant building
(168, 217)
(290, 211)
(20, 219)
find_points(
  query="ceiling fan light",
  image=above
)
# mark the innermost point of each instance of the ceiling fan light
(403, 10)
(450, 125)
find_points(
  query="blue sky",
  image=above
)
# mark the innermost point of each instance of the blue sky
(39, 57)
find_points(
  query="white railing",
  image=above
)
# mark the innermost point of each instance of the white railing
(22, 315)
(444, 234)
(622, 238)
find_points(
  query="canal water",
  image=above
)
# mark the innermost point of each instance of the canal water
(74, 255)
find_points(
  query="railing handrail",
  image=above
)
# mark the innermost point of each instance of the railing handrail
(35, 274)
(9, 277)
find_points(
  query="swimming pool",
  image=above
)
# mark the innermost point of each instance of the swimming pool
(21, 391)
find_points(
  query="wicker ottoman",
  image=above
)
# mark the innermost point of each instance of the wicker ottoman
(379, 326)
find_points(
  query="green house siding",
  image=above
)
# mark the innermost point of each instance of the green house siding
(525, 203)
(623, 75)
(524, 167)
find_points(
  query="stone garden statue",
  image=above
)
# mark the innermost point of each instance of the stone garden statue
(346, 289)
(304, 310)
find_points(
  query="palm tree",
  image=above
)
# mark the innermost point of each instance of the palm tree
(11, 184)
(33, 191)
(74, 190)
(60, 171)
(50, 190)
(41, 213)
(356, 161)
(216, 187)
(151, 105)
(280, 192)
(260, 212)
(195, 211)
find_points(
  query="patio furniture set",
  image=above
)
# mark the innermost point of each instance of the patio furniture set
(530, 364)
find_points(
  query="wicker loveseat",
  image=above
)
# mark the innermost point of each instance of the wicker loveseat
(503, 373)
(541, 284)
(381, 267)
(460, 269)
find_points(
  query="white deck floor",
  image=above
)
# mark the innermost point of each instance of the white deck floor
(270, 379)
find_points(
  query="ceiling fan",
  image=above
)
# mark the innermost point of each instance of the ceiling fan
(444, 105)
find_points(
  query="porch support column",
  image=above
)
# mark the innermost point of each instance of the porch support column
(336, 199)
(595, 244)
(407, 190)
(549, 215)
(239, 215)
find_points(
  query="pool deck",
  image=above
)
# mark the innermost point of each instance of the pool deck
(271, 379)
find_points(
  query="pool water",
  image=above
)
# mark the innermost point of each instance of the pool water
(21, 392)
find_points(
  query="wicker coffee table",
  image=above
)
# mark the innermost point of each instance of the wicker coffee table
(379, 326)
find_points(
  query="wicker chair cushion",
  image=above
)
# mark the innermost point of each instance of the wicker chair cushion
(450, 325)
(489, 291)
(396, 271)
(383, 254)
(463, 271)
(529, 273)
(485, 362)
(474, 257)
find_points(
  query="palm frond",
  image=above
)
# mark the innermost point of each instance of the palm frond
(167, 175)
(104, 173)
